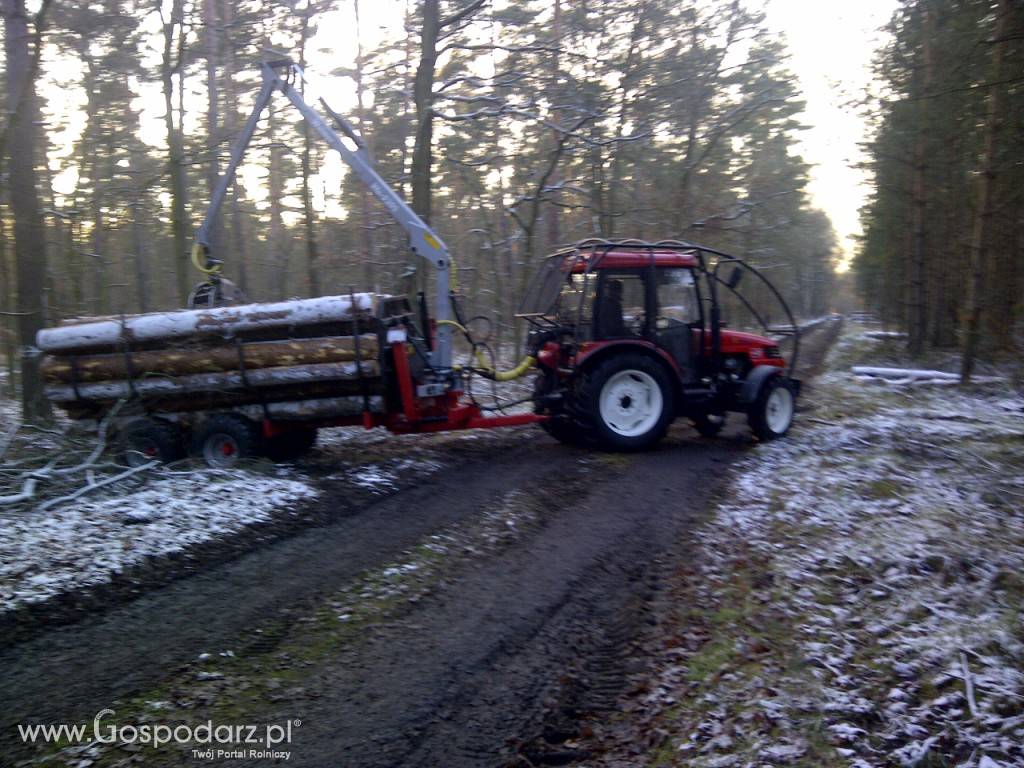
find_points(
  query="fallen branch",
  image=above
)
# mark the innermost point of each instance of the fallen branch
(93, 486)
(28, 490)
(9, 438)
(972, 704)
(914, 376)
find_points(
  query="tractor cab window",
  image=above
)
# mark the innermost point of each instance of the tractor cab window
(677, 297)
(620, 309)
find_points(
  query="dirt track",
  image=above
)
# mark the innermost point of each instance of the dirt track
(506, 648)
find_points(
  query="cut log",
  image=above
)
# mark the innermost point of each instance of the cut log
(224, 321)
(319, 408)
(226, 400)
(182, 360)
(160, 386)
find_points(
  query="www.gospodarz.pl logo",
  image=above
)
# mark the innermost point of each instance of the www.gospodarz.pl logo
(211, 740)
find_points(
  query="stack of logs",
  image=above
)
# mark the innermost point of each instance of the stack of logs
(222, 357)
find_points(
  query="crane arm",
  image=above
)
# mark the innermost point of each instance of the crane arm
(281, 75)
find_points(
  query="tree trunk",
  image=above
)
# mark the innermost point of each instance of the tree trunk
(983, 209)
(239, 252)
(423, 98)
(277, 260)
(7, 302)
(365, 208)
(211, 36)
(312, 256)
(917, 314)
(29, 241)
(172, 63)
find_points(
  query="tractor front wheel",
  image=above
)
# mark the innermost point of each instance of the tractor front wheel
(628, 400)
(771, 414)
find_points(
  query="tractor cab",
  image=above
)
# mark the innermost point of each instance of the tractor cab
(660, 305)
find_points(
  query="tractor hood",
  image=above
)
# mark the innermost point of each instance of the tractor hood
(738, 341)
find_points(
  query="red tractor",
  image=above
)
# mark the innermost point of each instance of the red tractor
(628, 336)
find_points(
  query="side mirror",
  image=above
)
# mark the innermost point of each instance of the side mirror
(734, 278)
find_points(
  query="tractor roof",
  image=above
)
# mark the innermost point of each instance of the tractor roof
(603, 254)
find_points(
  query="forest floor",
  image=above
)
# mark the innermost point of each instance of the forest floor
(857, 594)
(496, 598)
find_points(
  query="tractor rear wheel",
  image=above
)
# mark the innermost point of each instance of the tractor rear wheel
(150, 439)
(224, 439)
(565, 430)
(771, 414)
(627, 398)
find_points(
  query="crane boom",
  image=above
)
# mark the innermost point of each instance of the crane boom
(281, 75)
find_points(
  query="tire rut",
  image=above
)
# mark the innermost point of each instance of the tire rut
(133, 646)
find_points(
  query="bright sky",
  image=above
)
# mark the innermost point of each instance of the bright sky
(832, 44)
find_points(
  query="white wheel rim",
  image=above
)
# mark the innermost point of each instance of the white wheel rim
(221, 450)
(631, 403)
(779, 410)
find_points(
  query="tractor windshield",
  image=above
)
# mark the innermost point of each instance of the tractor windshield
(541, 299)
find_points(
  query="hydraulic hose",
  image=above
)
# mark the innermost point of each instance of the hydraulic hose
(511, 374)
(483, 368)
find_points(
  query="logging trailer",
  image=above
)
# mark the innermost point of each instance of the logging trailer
(625, 336)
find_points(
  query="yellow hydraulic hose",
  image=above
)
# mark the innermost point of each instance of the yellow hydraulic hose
(513, 373)
(486, 370)
(197, 253)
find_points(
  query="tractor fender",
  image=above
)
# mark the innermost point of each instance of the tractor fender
(598, 353)
(758, 375)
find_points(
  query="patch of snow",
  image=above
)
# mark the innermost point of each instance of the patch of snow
(84, 543)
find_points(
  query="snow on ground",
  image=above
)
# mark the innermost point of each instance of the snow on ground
(84, 543)
(858, 601)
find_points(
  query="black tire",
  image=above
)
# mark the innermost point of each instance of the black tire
(150, 439)
(561, 426)
(639, 383)
(709, 424)
(292, 444)
(766, 420)
(565, 430)
(224, 439)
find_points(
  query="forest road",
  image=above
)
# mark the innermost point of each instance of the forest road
(510, 647)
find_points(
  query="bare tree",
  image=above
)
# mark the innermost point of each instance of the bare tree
(983, 210)
(21, 49)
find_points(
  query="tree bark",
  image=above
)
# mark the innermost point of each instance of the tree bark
(178, 361)
(983, 209)
(162, 386)
(312, 254)
(212, 40)
(99, 333)
(917, 314)
(423, 98)
(29, 241)
(172, 64)
(365, 208)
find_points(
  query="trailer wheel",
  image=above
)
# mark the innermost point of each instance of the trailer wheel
(224, 439)
(628, 400)
(709, 424)
(771, 414)
(291, 444)
(146, 440)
